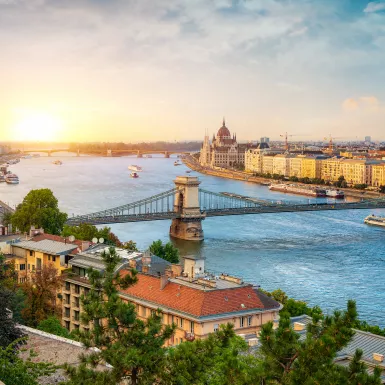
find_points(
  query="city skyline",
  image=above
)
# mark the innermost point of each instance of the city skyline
(139, 71)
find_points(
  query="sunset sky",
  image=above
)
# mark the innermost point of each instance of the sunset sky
(126, 70)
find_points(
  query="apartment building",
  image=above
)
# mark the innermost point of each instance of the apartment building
(295, 166)
(268, 164)
(195, 301)
(378, 174)
(254, 157)
(356, 171)
(331, 169)
(281, 164)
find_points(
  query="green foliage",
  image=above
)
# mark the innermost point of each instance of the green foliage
(39, 208)
(133, 347)
(341, 182)
(87, 232)
(52, 325)
(305, 180)
(360, 186)
(285, 359)
(15, 371)
(168, 251)
(220, 359)
(382, 189)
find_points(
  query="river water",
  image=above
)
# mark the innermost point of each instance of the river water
(324, 258)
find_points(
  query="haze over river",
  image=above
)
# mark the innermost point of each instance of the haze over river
(324, 258)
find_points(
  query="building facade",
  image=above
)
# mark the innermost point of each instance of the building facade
(254, 157)
(378, 175)
(195, 301)
(223, 150)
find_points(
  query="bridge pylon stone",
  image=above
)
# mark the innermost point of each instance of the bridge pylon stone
(188, 224)
(166, 154)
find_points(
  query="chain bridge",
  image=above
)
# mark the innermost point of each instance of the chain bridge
(187, 205)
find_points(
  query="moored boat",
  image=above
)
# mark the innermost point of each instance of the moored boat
(134, 167)
(57, 162)
(374, 220)
(177, 163)
(293, 189)
(2, 178)
(12, 179)
(337, 194)
(134, 175)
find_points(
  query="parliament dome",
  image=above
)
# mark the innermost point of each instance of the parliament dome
(223, 132)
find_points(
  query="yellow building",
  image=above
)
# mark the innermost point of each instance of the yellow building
(378, 174)
(281, 164)
(357, 171)
(254, 157)
(311, 166)
(268, 164)
(296, 166)
(43, 253)
(196, 301)
(331, 169)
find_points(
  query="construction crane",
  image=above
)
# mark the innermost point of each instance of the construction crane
(285, 135)
(331, 139)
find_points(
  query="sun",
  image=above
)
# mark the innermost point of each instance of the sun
(37, 127)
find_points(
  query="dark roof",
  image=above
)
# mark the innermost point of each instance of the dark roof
(268, 302)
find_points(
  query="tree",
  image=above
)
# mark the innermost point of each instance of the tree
(133, 347)
(39, 208)
(41, 292)
(219, 359)
(52, 325)
(283, 358)
(15, 371)
(382, 189)
(8, 330)
(87, 232)
(168, 251)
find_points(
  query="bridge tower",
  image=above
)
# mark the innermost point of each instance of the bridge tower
(109, 152)
(49, 152)
(139, 154)
(188, 225)
(166, 154)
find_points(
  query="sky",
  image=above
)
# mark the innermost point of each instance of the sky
(131, 70)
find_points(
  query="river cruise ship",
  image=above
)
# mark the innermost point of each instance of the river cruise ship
(337, 194)
(375, 221)
(294, 189)
(134, 167)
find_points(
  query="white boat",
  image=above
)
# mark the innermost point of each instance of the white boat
(148, 156)
(375, 221)
(57, 162)
(134, 175)
(12, 179)
(338, 194)
(134, 167)
(177, 163)
(293, 189)
(2, 178)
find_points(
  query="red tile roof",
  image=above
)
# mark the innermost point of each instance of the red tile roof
(58, 238)
(194, 301)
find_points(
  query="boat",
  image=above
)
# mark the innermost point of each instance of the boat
(2, 178)
(148, 156)
(134, 167)
(337, 194)
(374, 220)
(57, 162)
(188, 171)
(12, 179)
(293, 189)
(134, 175)
(177, 163)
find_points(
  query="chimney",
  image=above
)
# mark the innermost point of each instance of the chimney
(176, 270)
(163, 281)
(85, 245)
(378, 357)
(298, 326)
(132, 263)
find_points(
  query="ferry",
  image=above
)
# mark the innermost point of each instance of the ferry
(12, 179)
(135, 168)
(375, 221)
(57, 162)
(337, 194)
(293, 189)
(134, 175)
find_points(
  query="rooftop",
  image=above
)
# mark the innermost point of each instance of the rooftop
(47, 246)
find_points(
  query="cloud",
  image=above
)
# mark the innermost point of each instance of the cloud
(363, 103)
(298, 32)
(374, 6)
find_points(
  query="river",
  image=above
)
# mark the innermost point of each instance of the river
(324, 258)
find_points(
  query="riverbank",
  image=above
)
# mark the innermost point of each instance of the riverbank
(193, 164)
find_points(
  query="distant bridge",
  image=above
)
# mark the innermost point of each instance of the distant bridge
(187, 205)
(110, 152)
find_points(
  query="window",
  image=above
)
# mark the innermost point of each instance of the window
(76, 315)
(68, 286)
(49, 257)
(67, 325)
(33, 267)
(249, 320)
(191, 327)
(77, 289)
(181, 322)
(67, 312)
(241, 320)
(30, 253)
(143, 311)
(216, 327)
(29, 266)
(152, 313)
(53, 259)
(22, 266)
(86, 291)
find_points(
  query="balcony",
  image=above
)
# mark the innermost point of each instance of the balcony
(66, 316)
(189, 336)
(66, 302)
(76, 319)
(75, 304)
